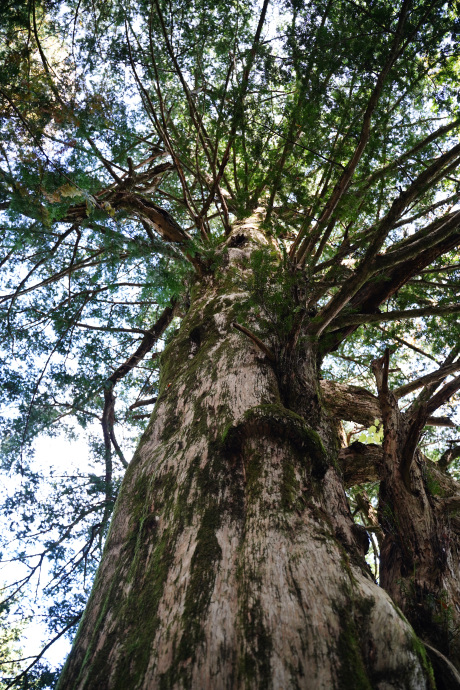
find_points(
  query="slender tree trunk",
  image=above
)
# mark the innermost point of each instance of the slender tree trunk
(419, 553)
(232, 559)
(419, 559)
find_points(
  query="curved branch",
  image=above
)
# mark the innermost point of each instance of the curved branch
(62, 632)
(108, 415)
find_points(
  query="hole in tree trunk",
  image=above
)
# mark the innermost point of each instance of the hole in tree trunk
(238, 240)
(195, 340)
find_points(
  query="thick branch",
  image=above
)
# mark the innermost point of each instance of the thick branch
(351, 403)
(443, 395)
(360, 463)
(355, 404)
(381, 286)
(423, 239)
(424, 181)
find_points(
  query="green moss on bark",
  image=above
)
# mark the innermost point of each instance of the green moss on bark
(203, 573)
(420, 651)
(255, 664)
(277, 421)
(353, 672)
(254, 473)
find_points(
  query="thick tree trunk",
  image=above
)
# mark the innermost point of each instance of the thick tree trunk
(232, 559)
(420, 550)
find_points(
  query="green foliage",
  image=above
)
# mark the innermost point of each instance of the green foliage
(10, 634)
(372, 435)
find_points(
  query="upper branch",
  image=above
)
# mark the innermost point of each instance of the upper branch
(434, 377)
(345, 179)
(435, 310)
(421, 184)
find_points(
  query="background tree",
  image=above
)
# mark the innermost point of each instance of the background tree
(270, 190)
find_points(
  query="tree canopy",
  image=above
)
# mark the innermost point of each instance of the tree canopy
(134, 136)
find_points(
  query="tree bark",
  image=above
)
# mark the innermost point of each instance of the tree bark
(232, 559)
(420, 552)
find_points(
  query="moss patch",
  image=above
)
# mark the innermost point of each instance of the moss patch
(419, 649)
(290, 486)
(254, 470)
(275, 420)
(353, 672)
(203, 573)
(255, 665)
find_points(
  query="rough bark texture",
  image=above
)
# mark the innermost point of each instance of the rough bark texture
(419, 556)
(428, 535)
(232, 559)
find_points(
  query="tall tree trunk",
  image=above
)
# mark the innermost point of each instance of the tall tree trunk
(232, 559)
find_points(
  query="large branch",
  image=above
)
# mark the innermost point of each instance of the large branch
(355, 404)
(385, 284)
(361, 463)
(420, 241)
(443, 395)
(351, 403)
(424, 181)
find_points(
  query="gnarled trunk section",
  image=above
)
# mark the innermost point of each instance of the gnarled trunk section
(420, 551)
(232, 559)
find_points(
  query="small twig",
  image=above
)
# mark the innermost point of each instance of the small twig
(255, 340)
(45, 648)
(141, 403)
